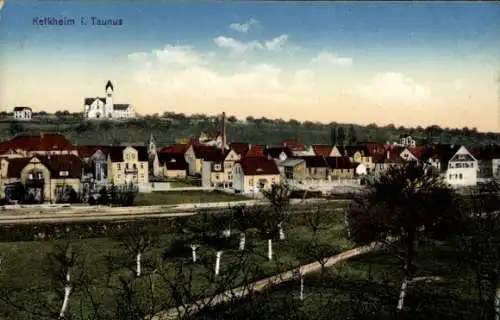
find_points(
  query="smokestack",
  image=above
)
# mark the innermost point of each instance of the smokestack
(224, 133)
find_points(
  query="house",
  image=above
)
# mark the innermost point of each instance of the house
(406, 141)
(230, 159)
(95, 165)
(413, 154)
(105, 109)
(256, 150)
(172, 166)
(344, 168)
(278, 153)
(51, 178)
(317, 168)
(455, 163)
(211, 138)
(171, 151)
(293, 169)
(325, 150)
(195, 154)
(22, 113)
(385, 161)
(240, 148)
(27, 145)
(294, 145)
(358, 154)
(307, 152)
(128, 165)
(254, 174)
(488, 159)
(213, 172)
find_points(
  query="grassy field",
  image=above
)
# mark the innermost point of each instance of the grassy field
(179, 197)
(27, 277)
(182, 184)
(367, 287)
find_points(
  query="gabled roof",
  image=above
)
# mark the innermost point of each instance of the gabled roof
(315, 161)
(259, 166)
(487, 153)
(15, 165)
(441, 152)
(121, 107)
(41, 142)
(340, 163)
(241, 148)
(56, 164)
(88, 151)
(291, 162)
(275, 152)
(172, 162)
(21, 108)
(216, 155)
(294, 145)
(176, 148)
(201, 151)
(116, 153)
(89, 101)
(418, 151)
(256, 150)
(351, 150)
(322, 149)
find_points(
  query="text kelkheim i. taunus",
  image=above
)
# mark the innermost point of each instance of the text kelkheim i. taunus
(84, 21)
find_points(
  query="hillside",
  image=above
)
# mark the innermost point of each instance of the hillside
(176, 127)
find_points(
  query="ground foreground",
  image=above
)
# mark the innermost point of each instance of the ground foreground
(180, 197)
(367, 287)
(103, 275)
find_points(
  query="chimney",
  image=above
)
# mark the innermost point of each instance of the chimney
(224, 133)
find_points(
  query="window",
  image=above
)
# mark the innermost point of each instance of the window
(142, 176)
(460, 176)
(250, 182)
(217, 167)
(142, 165)
(217, 177)
(450, 177)
(118, 166)
(126, 165)
(134, 166)
(63, 173)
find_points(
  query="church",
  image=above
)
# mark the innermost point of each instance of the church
(104, 108)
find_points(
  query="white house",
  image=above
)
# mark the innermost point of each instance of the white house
(455, 163)
(23, 113)
(406, 141)
(254, 174)
(211, 138)
(104, 108)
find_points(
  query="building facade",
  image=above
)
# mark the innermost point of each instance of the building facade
(105, 109)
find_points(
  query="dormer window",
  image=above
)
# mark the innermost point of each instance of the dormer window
(63, 173)
(173, 160)
(259, 170)
(217, 167)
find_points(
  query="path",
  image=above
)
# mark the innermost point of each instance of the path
(177, 313)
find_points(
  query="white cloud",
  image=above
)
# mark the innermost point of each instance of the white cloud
(261, 81)
(244, 27)
(328, 58)
(236, 46)
(392, 87)
(277, 43)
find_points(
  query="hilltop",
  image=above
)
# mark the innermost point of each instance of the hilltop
(172, 127)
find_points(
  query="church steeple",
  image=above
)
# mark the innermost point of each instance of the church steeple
(151, 144)
(109, 85)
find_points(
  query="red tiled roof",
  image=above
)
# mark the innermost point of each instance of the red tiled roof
(172, 162)
(418, 151)
(259, 166)
(391, 156)
(256, 150)
(42, 142)
(201, 151)
(274, 152)
(54, 163)
(294, 145)
(15, 166)
(241, 148)
(176, 148)
(322, 149)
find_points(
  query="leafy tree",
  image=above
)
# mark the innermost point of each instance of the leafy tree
(15, 128)
(353, 137)
(333, 135)
(341, 136)
(405, 203)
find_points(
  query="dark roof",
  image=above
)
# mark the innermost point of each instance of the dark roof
(172, 162)
(116, 153)
(340, 163)
(418, 151)
(109, 84)
(54, 163)
(41, 142)
(200, 151)
(121, 106)
(390, 157)
(294, 145)
(88, 151)
(315, 161)
(89, 101)
(351, 150)
(216, 155)
(322, 149)
(259, 166)
(488, 153)
(241, 148)
(441, 152)
(21, 108)
(274, 152)
(212, 134)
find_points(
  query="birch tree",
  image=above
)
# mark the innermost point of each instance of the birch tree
(405, 203)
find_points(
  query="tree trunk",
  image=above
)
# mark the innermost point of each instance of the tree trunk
(281, 231)
(217, 262)
(402, 294)
(67, 293)
(301, 286)
(497, 303)
(270, 249)
(138, 263)
(346, 222)
(243, 239)
(194, 247)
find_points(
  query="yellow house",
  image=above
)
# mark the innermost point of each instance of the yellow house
(128, 165)
(254, 174)
(43, 178)
(358, 154)
(229, 161)
(342, 167)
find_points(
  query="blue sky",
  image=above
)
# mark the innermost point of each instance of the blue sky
(432, 43)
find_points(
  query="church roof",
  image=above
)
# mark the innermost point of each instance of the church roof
(121, 106)
(109, 84)
(89, 101)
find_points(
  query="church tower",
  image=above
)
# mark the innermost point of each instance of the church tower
(108, 108)
(151, 145)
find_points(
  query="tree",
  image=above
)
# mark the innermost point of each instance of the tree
(404, 203)
(15, 128)
(333, 135)
(353, 138)
(341, 136)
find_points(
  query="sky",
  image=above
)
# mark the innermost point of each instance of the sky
(405, 63)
